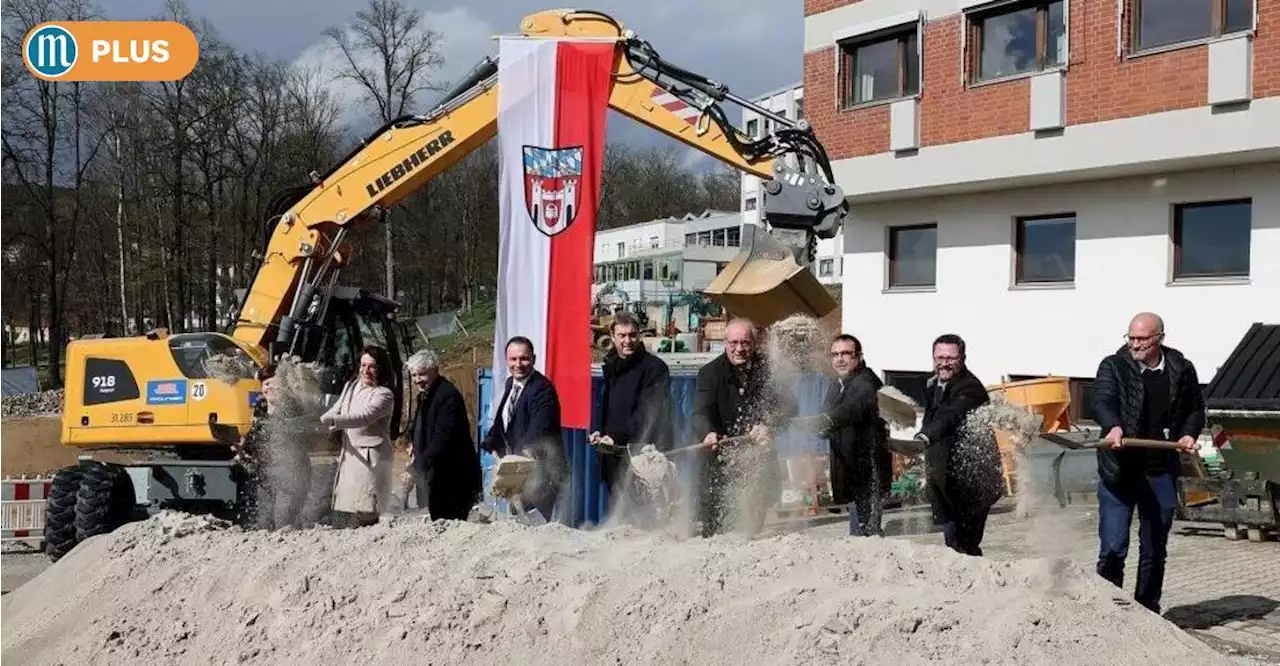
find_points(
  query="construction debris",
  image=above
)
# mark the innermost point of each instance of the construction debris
(43, 403)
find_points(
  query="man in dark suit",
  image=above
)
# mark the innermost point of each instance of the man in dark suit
(635, 406)
(850, 420)
(1146, 391)
(963, 468)
(444, 453)
(527, 422)
(736, 397)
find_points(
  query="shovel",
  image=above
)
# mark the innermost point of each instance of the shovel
(1074, 445)
(508, 483)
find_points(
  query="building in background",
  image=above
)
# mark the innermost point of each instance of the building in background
(1030, 177)
(665, 264)
(787, 102)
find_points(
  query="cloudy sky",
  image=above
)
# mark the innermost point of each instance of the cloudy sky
(751, 50)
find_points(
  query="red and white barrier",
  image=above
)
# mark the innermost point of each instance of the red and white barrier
(23, 510)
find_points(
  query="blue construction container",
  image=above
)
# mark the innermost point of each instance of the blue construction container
(586, 500)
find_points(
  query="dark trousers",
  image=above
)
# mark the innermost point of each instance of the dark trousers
(963, 531)
(613, 471)
(865, 512)
(1156, 500)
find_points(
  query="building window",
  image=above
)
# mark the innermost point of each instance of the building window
(733, 237)
(880, 66)
(800, 108)
(648, 270)
(1017, 38)
(654, 242)
(1159, 23)
(912, 383)
(717, 237)
(913, 256)
(751, 204)
(690, 239)
(753, 128)
(1045, 249)
(825, 267)
(622, 250)
(704, 238)
(1212, 239)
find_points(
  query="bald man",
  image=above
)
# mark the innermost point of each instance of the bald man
(1145, 390)
(735, 397)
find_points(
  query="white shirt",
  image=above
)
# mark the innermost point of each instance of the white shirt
(1158, 368)
(517, 387)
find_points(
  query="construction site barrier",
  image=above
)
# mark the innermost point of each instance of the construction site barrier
(585, 502)
(23, 510)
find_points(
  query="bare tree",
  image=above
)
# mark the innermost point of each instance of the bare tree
(391, 56)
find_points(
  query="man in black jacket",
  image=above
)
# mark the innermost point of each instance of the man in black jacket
(1146, 391)
(444, 452)
(850, 420)
(963, 467)
(527, 422)
(635, 406)
(735, 397)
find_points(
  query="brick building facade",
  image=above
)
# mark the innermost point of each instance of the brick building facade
(1030, 174)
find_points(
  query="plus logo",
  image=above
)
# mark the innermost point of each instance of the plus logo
(51, 51)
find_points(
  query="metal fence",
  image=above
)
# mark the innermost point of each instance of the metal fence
(23, 510)
(585, 500)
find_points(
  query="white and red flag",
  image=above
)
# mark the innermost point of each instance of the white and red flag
(553, 95)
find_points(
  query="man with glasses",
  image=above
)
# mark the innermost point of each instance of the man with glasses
(736, 409)
(861, 465)
(1146, 391)
(963, 467)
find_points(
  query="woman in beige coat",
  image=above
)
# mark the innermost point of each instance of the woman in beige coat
(362, 489)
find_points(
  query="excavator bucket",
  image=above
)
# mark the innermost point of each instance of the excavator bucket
(765, 284)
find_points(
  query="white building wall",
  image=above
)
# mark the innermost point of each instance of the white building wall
(1123, 266)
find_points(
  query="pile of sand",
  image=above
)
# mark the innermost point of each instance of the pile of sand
(184, 590)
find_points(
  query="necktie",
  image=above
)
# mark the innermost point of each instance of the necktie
(511, 402)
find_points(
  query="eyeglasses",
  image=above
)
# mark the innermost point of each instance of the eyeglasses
(1143, 338)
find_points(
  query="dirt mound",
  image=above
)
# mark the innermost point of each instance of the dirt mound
(184, 590)
(32, 446)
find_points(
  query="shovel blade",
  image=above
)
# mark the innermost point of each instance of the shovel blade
(906, 447)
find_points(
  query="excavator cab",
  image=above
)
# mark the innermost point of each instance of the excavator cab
(353, 319)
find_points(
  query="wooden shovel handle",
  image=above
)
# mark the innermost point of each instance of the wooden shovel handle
(1136, 443)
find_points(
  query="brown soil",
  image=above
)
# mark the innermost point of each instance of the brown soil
(31, 446)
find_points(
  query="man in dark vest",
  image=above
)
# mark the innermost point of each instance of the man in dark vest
(964, 478)
(1145, 391)
(635, 406)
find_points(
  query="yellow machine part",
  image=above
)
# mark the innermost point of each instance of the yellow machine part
(765, 284)
(151, 391)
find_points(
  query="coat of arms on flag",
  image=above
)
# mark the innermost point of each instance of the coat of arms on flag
(552, 182)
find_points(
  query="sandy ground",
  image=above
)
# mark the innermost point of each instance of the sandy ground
(30, 446)
(176, 589)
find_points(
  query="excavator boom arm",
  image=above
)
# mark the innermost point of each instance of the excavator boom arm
(305, 250)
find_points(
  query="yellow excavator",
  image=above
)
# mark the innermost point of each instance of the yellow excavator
(156, 431)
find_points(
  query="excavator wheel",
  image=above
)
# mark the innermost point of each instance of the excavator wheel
(604, 342)
(105, 500)
(60, 513)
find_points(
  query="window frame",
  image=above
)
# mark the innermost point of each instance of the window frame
(891, 252)
(847, 64)
(826, 267)
(1175, 240)
(973, 38)
(1019, 240)
(1217, 28)
(752, 128)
